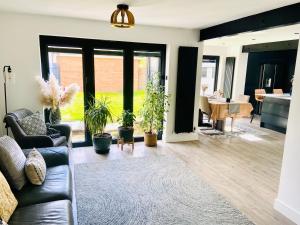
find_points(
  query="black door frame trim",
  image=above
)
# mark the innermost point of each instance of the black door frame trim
(282, 16)
(87, 46)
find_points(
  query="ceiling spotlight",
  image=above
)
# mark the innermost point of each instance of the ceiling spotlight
(122, 17)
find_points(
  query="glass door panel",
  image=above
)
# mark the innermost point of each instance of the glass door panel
(146, 65)
(108, 66)
(209, 76)
(66, 65)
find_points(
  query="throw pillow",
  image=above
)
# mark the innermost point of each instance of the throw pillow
(33, 125)
(8, 202)
(35, 167)
(12, 162)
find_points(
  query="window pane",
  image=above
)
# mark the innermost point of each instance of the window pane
(208, 78)
(109, 83)
(67, 68)
(146, 65)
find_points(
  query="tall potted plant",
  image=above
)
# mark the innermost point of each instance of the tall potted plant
(155, 105)
(97, 116)
(126, 129)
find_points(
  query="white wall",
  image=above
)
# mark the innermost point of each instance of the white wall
(240, 70)
(19, 44)
(240, 66)
(288, 199)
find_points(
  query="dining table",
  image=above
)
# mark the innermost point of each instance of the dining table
(221, 109)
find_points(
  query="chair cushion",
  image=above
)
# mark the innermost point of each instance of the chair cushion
(57, 186)
(35, 167)
(33, 125)
(59, 141)
(50, 213)
(8, 202)
(12, 162)
(54, 156)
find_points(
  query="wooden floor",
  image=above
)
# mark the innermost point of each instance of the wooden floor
(244, 168)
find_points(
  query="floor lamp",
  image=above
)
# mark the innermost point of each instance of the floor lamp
(6, 75)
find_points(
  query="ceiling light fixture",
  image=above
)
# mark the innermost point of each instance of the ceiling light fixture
(122, 17)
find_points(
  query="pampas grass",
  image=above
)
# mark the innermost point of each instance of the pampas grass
(53, 95)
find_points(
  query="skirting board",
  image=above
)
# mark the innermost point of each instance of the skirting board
(181, 137)
(287, 211)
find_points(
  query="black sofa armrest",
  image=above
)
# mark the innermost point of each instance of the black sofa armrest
(36, 141)
(64, 129)
(53, 156)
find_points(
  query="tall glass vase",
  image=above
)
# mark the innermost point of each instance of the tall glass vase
(55, 116)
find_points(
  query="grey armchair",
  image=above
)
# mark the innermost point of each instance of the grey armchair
(27, 141)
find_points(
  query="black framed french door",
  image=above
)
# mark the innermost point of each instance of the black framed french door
(111, 68)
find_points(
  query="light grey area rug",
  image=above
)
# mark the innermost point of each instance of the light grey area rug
(158, 191)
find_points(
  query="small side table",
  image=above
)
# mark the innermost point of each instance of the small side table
(121, 142)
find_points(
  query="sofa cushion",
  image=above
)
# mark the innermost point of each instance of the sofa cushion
(12, 162)
(50, 213)
(33, 125)
(53, 156)
(35, 167)
(8, 202)
(57, 186)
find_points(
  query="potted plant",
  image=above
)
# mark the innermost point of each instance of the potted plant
(126, 129)
(54, 96)
(96, 117)
(155, 105)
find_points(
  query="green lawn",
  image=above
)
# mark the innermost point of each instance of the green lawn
(75, 111)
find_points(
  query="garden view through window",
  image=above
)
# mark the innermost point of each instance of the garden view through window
(108, 82)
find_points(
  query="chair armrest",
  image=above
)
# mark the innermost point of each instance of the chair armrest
(39, 141)
(53, 156)
(64, 129)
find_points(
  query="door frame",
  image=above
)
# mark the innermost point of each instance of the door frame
(88, 46)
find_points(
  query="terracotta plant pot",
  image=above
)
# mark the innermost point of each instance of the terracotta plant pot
(150, 139)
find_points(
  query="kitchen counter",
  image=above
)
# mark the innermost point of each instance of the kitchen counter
(275, 112)
(278, 96)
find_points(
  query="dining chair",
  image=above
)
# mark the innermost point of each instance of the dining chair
(243, 98)
(205, 107)
(278, 91)
(259, 98)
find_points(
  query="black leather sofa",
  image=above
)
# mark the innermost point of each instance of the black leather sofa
(27, 141)
(50, 203)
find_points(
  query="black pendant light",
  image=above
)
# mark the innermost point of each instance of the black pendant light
(122, 17)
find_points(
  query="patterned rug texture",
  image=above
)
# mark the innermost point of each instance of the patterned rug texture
(152, 191)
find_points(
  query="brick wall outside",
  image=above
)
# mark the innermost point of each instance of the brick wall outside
(108, 73)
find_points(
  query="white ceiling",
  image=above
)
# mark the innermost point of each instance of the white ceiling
(173, 13)
(285, 33)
